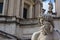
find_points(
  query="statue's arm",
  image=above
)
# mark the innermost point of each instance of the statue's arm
(35, 36)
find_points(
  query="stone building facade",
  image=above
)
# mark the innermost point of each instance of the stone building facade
(57, 18)
(20, 17)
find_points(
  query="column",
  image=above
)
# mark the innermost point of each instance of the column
(5, 7)
(37, 8)
(11, 8)
(17, 12)
(21, 8)
(30, 11)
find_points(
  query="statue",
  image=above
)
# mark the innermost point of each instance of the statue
(47, 31)
(50, 6)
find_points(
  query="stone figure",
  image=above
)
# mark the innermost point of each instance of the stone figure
(47, 31)
(50, 6)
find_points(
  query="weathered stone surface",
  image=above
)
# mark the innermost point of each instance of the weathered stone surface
(47, 31)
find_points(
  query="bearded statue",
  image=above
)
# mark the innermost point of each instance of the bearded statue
(47, 31)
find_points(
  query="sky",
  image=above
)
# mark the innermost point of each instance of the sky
(45, 5)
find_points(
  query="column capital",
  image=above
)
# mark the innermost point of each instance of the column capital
(32, 2)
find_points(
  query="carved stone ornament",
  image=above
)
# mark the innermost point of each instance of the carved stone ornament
(46, 31)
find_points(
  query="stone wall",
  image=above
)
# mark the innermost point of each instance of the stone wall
(7, 39)
(7, 27)
(27, 31)
(57, 24)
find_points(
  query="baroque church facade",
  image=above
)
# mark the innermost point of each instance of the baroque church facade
(19, 19)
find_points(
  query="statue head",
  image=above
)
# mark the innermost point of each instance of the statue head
(46, 18)
(47, 24)
(47, 28)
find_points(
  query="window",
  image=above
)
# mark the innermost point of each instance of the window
(26, 10)
(25, 13)
(1, 7)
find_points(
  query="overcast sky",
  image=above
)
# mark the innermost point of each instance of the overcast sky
(45, 5)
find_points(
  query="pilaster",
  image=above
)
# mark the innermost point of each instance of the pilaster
(38, 7)
(21, 8)
(5, 7)
(18, 8)
(30, 12)
(11, 8)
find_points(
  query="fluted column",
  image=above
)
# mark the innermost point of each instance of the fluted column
(5, 7)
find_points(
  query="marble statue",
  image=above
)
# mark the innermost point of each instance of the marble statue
(47, 31)
(50, 6)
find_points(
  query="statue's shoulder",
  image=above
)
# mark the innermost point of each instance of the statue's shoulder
(36, 33)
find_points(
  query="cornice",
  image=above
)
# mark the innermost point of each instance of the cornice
(18, 21)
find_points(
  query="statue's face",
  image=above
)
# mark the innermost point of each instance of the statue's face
(46, 24)
(47, 27)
